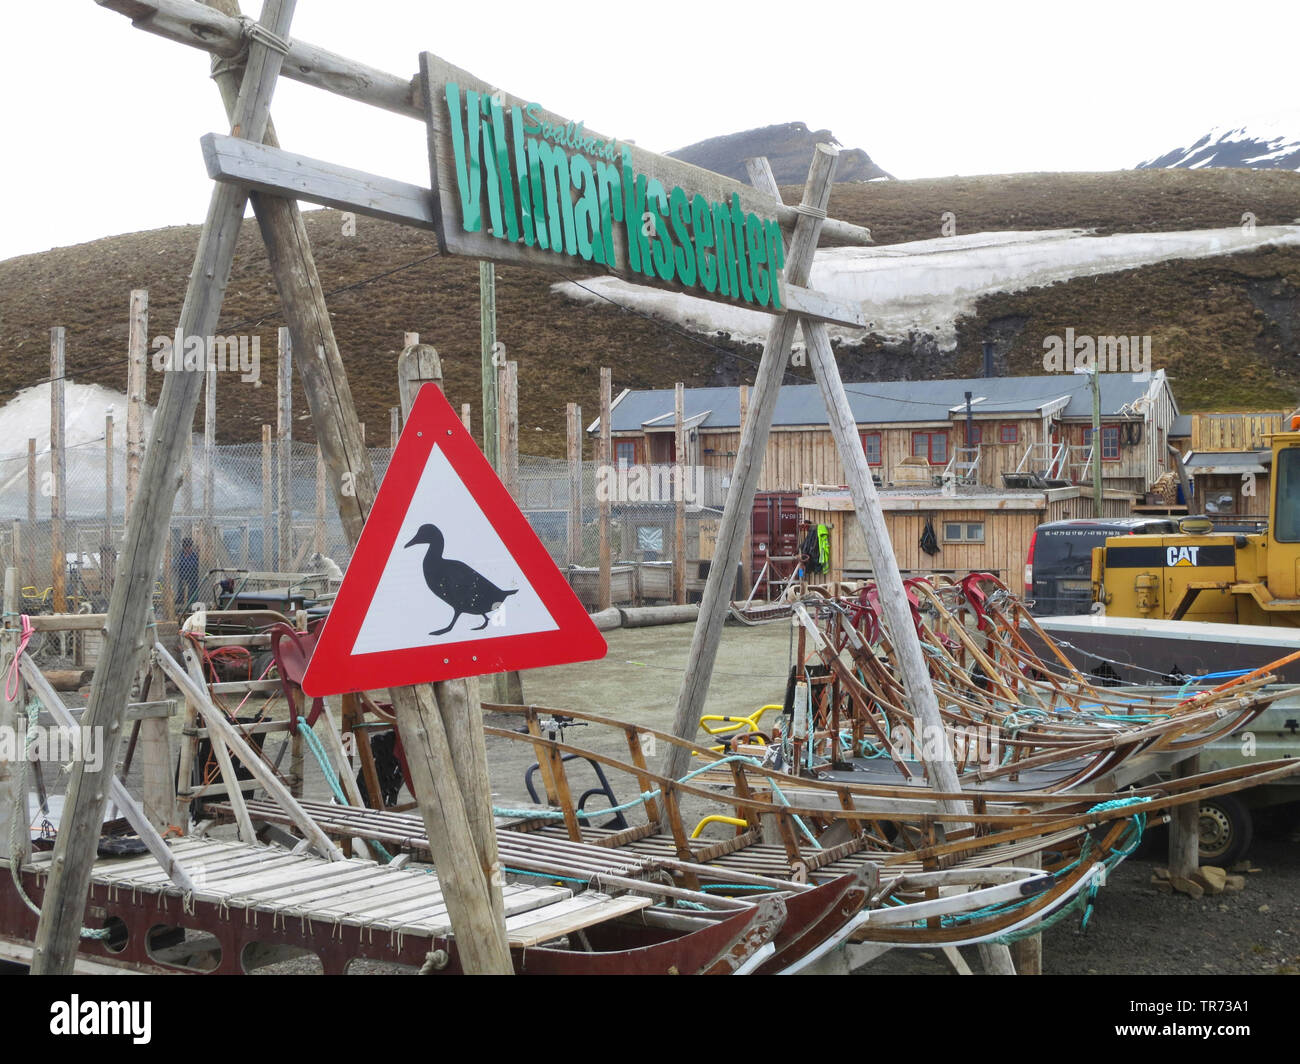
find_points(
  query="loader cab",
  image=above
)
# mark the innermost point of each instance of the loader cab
(1282, 565)
(1058, 571)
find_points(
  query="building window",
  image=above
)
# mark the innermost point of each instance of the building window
(963, 532)
(975, 430)
(1009, 434)
(1109, 442)
(871, 447)
(624, 453)
(932, 446)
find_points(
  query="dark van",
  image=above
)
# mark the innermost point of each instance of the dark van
(1058, 571)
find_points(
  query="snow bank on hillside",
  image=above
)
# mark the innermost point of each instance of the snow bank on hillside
(924, 286)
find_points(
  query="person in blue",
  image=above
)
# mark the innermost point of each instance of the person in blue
(187, 575)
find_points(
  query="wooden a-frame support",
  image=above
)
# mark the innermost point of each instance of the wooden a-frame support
(734, 528)
(471, 884)
(300, 293)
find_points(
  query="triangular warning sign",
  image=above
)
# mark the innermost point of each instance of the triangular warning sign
(448, 578)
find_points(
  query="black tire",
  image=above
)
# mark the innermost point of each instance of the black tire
(1225, 830)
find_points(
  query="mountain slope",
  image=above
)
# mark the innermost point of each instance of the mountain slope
(788, 148)
(1227, 329)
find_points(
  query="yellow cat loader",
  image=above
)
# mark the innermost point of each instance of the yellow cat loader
(1201, 575)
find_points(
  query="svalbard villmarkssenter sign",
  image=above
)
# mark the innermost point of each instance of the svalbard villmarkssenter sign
(514, 183)
(508, 171)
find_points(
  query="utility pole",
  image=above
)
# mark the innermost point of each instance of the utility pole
(1096, 438)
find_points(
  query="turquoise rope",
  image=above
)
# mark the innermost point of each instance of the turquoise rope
(1085, 899)
(331, 777)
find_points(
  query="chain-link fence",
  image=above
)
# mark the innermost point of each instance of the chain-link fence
(269, 507)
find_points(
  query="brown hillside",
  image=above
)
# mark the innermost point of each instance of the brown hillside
(1227, 329)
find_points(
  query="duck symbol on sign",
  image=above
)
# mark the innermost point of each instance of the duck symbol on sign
(463, 589)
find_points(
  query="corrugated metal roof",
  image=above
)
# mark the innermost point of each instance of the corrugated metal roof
(884, 402)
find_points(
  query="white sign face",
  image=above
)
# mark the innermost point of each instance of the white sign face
(466, 588)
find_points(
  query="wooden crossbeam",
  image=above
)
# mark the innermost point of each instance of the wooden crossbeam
(267, 169)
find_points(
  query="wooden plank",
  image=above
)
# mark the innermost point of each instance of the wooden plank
(191, 23)
(818, 306)
(570, 916)
(265, 169)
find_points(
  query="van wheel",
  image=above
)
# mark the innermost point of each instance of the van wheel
(1225, 830)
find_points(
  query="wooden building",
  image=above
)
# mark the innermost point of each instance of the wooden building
(977, 429)
(974, 528)
(1228, 459)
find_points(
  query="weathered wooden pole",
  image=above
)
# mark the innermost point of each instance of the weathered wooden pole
(604, 479)
(679, 494)
(126, 629)
(746, 544)
(14, 718)
(321, 476)
(207, 539)
(268, 478)
(487, 303)
(108, 484)
(342, 440)
(453, 722)
(58, 474)
(465, 418)
(136, 347)
(573, 426)
(284, 448)
(33, 566)
(394, 426)
(734, 526)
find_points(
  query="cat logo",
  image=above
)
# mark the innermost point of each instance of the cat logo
(1181, 555)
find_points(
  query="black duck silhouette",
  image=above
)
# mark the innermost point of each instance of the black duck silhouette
(464, 590)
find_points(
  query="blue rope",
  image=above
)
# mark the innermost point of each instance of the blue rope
(331, 777)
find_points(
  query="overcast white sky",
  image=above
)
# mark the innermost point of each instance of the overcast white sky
(103, 120)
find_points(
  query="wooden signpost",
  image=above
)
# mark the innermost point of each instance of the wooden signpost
(510, 182)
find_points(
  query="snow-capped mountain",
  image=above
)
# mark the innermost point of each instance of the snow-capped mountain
(1261, 144)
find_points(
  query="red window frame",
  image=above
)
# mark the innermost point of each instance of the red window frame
(1009, 433)
(867, 450)
(624, 448)
(930, 448)
(1110, 450)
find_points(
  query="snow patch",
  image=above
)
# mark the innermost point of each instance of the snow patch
(926, 285)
